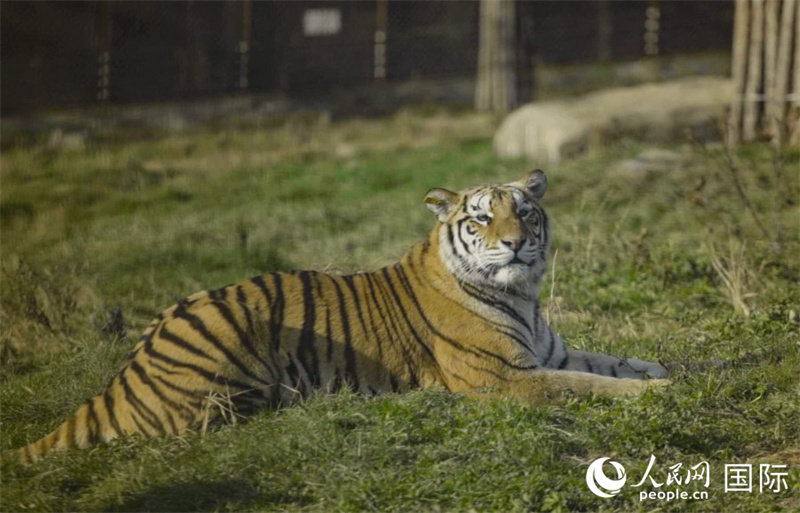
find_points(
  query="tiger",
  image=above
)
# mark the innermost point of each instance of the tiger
(459, 311)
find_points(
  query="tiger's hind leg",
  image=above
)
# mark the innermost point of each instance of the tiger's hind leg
(210, 360)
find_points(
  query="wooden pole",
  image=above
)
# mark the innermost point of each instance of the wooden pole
(738, 70)
(504, 66)
(104, 55)
(244, 46)
(783, 62)
(794, 119)
(379, 44)
(651, 28)
(508, 62)
(751, 92)
(495, 90)
(484, 41)
(770, 52)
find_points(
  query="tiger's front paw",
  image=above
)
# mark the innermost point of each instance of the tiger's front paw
(639, 386)
(628, 387)
(652, 370)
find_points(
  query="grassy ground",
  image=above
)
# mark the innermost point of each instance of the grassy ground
(657, 256)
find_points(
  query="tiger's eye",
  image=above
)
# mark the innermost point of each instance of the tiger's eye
(483, 218)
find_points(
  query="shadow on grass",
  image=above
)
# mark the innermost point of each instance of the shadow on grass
(201, 495)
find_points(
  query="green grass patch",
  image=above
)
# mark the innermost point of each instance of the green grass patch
(660, 263)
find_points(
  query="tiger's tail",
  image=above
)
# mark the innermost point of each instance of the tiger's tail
(96, 420)
(181, 378)
(118, 410)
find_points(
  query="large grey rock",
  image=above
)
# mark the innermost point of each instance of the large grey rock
(549, 131)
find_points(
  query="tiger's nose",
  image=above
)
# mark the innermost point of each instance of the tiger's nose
(514, 244)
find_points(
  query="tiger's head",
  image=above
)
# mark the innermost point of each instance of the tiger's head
(494, 235)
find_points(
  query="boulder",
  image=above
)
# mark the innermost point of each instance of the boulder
(658, 112)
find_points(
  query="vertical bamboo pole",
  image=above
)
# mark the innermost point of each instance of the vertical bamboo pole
(738, 70)
(751, 96)
(783, 62)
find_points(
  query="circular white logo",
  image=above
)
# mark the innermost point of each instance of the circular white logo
(601, 485)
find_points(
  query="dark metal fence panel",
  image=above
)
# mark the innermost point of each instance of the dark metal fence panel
(173, 49)
(264, 71)
(49, 54)
(307, 48)
(212, 34)
(627, 35)
(695, 26)
(145, 55)
(66, 53)
(432, 39)
(564, 32)
(573, 32)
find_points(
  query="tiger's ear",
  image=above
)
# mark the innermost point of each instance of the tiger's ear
(536, 183)
(440, 201)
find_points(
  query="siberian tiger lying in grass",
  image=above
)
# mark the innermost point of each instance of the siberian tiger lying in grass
(459, 311)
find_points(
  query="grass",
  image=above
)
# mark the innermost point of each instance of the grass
(655, 262)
